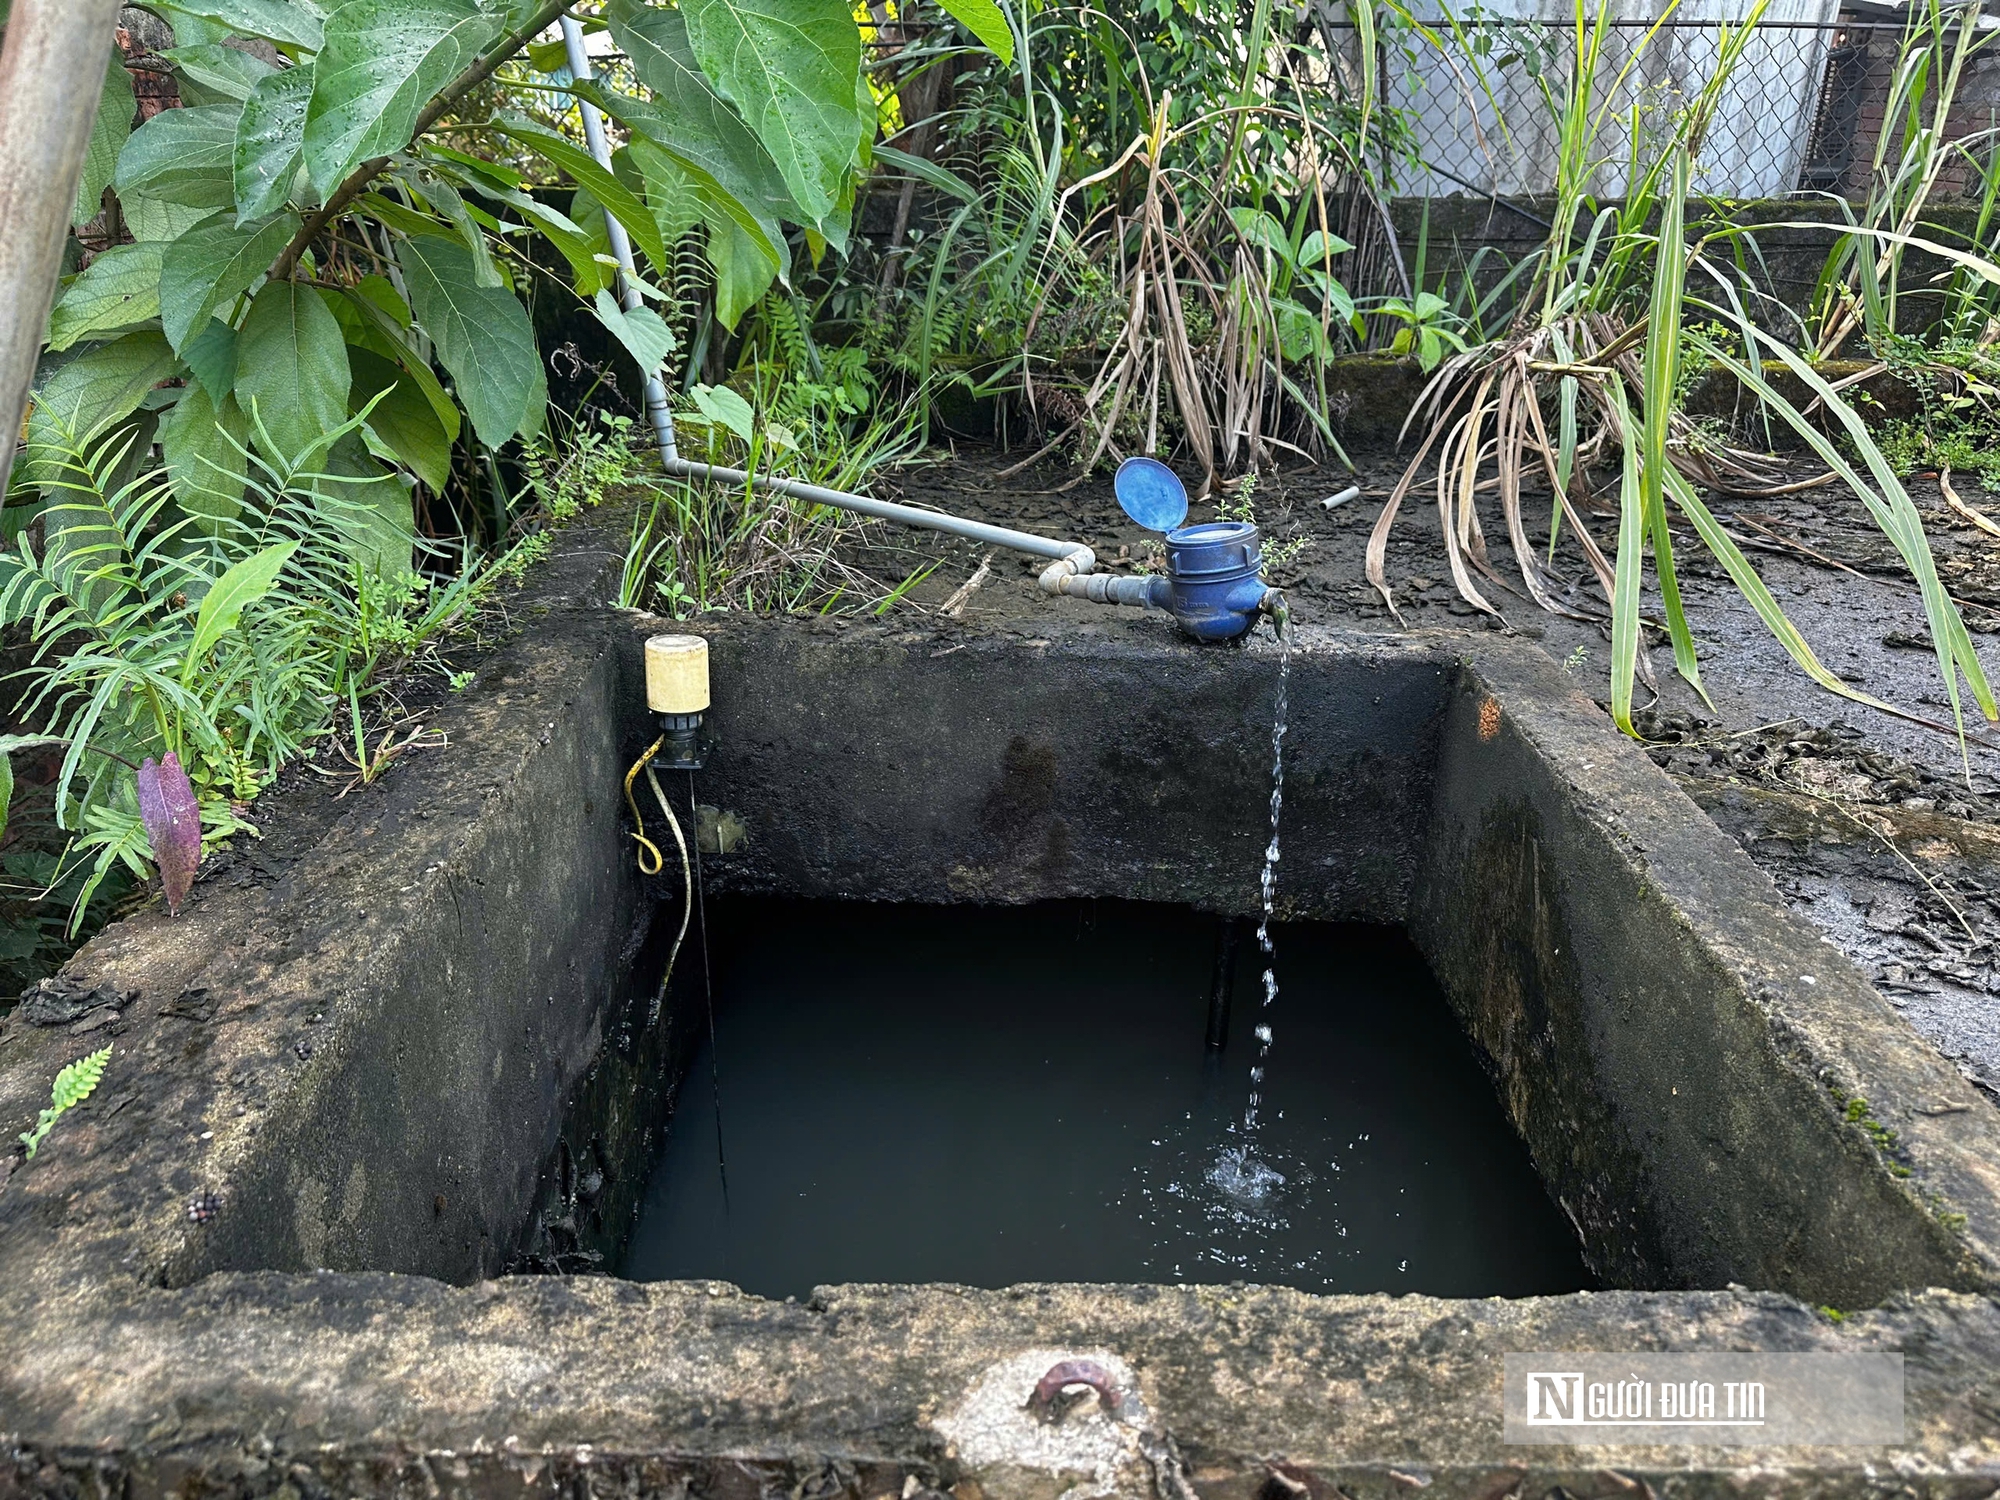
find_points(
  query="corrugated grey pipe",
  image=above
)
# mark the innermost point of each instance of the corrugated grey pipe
(1073, 567)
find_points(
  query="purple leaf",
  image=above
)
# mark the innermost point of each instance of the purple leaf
(173, 822)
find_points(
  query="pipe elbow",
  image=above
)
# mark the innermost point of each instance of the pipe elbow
(1079, 563)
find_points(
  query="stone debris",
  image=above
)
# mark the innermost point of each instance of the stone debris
(60, 1001)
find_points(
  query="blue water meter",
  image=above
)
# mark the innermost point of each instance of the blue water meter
(1214, 585)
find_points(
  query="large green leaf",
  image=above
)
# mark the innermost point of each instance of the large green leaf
(292, 374)
(789, 67)
(616, 198)
(219, 72)
(211, 358)
(108, 134)
(182, 156)
(156, 219)
(205, 458)
(664, 134)
(206, 268)
(270, 140)
(90, 390)
(402, 420)
(743, 273)
(482, 335)
(223, 605)
(643, 332)
(984, 20)
(688, 118)
(118, 289)
(374, 318)
(380, 65)
(291, 23)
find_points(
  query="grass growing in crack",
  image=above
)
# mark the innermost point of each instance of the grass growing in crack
(1857, 1111)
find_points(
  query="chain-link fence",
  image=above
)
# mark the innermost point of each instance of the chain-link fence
(1475, 105)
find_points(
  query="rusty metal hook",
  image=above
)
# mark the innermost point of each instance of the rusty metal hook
(1046, 1401)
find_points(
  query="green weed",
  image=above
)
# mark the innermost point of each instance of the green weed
(74, 1084)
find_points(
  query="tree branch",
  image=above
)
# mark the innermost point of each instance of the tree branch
(356, 182)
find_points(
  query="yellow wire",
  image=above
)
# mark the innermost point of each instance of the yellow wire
(687, 872)
(646, 845)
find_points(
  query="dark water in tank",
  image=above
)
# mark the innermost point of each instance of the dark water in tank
(998, 1095)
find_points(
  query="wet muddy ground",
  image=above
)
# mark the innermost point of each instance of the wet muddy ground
(1884, 830)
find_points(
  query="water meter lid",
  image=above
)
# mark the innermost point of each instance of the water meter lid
(1151, 493)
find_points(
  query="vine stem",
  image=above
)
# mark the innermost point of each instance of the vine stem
(352, 186)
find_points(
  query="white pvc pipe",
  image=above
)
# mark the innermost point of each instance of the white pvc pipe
(1070, 559)
(657, 411)
(51, 78)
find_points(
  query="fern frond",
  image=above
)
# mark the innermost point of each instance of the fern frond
(74, 1084)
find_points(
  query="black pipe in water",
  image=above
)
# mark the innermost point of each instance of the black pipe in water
(1223, 985)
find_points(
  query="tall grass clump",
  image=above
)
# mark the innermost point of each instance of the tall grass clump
(1589, 378)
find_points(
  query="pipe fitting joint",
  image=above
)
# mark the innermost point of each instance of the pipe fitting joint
(1105, 588)
(1080, 562)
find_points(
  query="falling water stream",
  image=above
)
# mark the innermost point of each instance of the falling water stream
(1239, 1171)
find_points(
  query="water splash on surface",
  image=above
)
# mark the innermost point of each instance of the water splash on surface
(1241, 1189)
(1241, 1176)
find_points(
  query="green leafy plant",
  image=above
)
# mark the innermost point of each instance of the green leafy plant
(225, 640)
(74, 1084)
(309, 250)
(1428, 327)
(1861, 287)
(1142, 229)
(1603, 332)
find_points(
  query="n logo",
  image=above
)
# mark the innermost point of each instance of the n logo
(1555, 1399)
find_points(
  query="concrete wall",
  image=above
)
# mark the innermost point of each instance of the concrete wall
(380, 1039)
(869, 769)
(1680, 1054)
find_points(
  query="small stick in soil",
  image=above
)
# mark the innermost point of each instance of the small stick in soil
(1978, 518)
(954, 607)
(1868, 827)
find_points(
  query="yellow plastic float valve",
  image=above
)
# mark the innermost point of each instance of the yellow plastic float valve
(677, 690)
